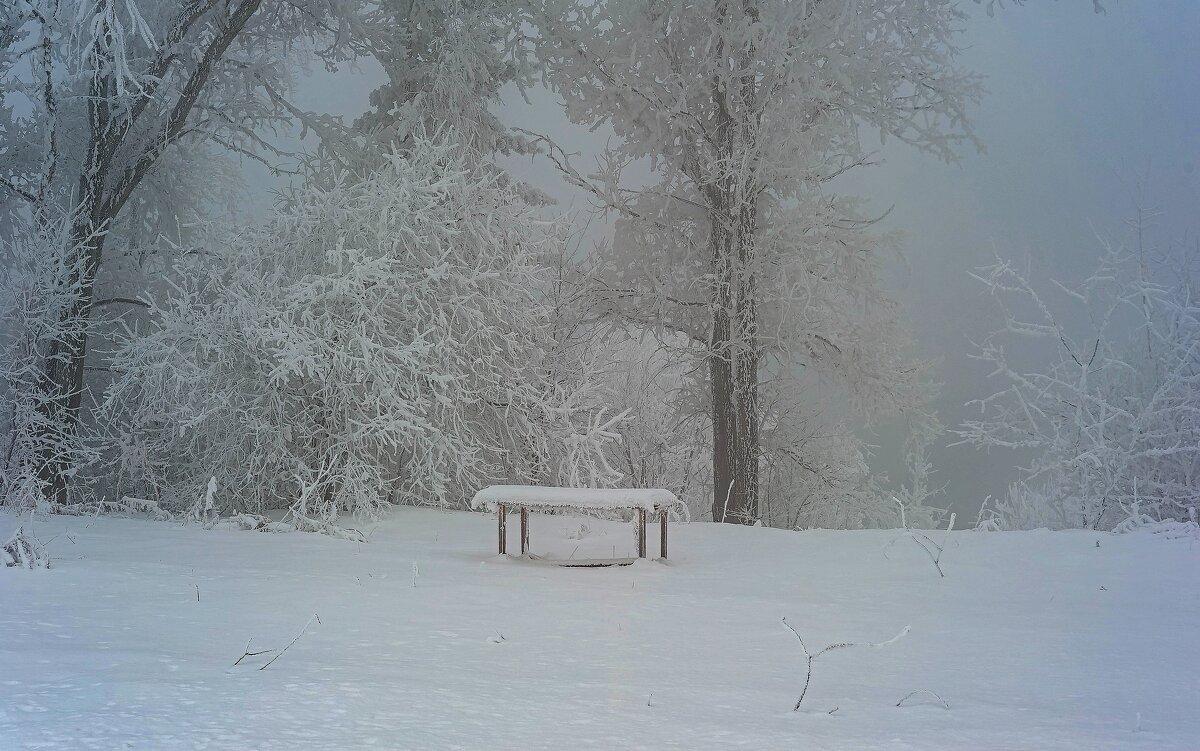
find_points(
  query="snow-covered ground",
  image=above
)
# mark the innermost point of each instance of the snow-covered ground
(1036, 640)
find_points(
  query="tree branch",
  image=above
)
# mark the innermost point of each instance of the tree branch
(183, 106)
(120, 301)
(6, 183)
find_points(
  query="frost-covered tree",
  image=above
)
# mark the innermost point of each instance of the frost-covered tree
(815, 474)
(106, 107)
(745, 111)
(446, 65)
(381, 340)
(31, 325)
(918, 490)
(1112, 418)
(662, 446)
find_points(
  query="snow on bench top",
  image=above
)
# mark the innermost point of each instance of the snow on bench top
(584, 499)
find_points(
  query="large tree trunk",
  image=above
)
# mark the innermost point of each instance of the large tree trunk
(723, 420)
(733, 368)
(745, 371)
(734, 349)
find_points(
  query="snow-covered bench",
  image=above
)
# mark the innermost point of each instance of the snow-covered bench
(625, 502)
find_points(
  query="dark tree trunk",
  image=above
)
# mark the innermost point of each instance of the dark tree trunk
(734, 348)
(724, 424)
(733, 369)
(745, 374)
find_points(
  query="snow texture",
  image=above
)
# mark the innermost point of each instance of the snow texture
(579, 499)
(1036, 641)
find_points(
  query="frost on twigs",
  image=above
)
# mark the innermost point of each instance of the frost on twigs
(1109, 417)
(733, 254)
(934, 549)
(108, 93)
(811, 657)
(36, 317)
(382, 341)
(124, 505)
(24, 551)
(926, 543)
(1138, 521)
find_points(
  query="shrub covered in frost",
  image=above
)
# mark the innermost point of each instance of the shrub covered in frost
(23, 551)
(1112, 418)
(381, 340)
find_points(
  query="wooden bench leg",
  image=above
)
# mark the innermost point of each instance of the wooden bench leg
(641, 533)
(500, 514)
(524, 530)
(662, 534)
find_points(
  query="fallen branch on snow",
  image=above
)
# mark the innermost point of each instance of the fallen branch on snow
(911, 694)
(811, 657)
(315, 617)
(126, 505)
(929, 545)
(247, 653)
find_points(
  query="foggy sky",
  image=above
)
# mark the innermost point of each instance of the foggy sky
(1085, 116)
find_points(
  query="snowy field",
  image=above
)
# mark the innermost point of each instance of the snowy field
(1035, 640)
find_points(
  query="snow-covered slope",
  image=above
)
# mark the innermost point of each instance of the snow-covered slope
(1035, 640)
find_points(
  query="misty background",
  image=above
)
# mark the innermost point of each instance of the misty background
(1087, 117)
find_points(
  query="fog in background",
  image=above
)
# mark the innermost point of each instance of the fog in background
(1086, 117)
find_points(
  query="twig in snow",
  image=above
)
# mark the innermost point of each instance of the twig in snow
(911, 694)
(247, 653)
(929, 545)
(416, 573)
(922, 539)
(293, 641)
(68, 535)
(811, 656)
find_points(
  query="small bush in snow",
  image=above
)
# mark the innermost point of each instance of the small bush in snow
(24, 551)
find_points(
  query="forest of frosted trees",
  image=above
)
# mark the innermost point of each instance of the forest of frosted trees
(413, 322)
